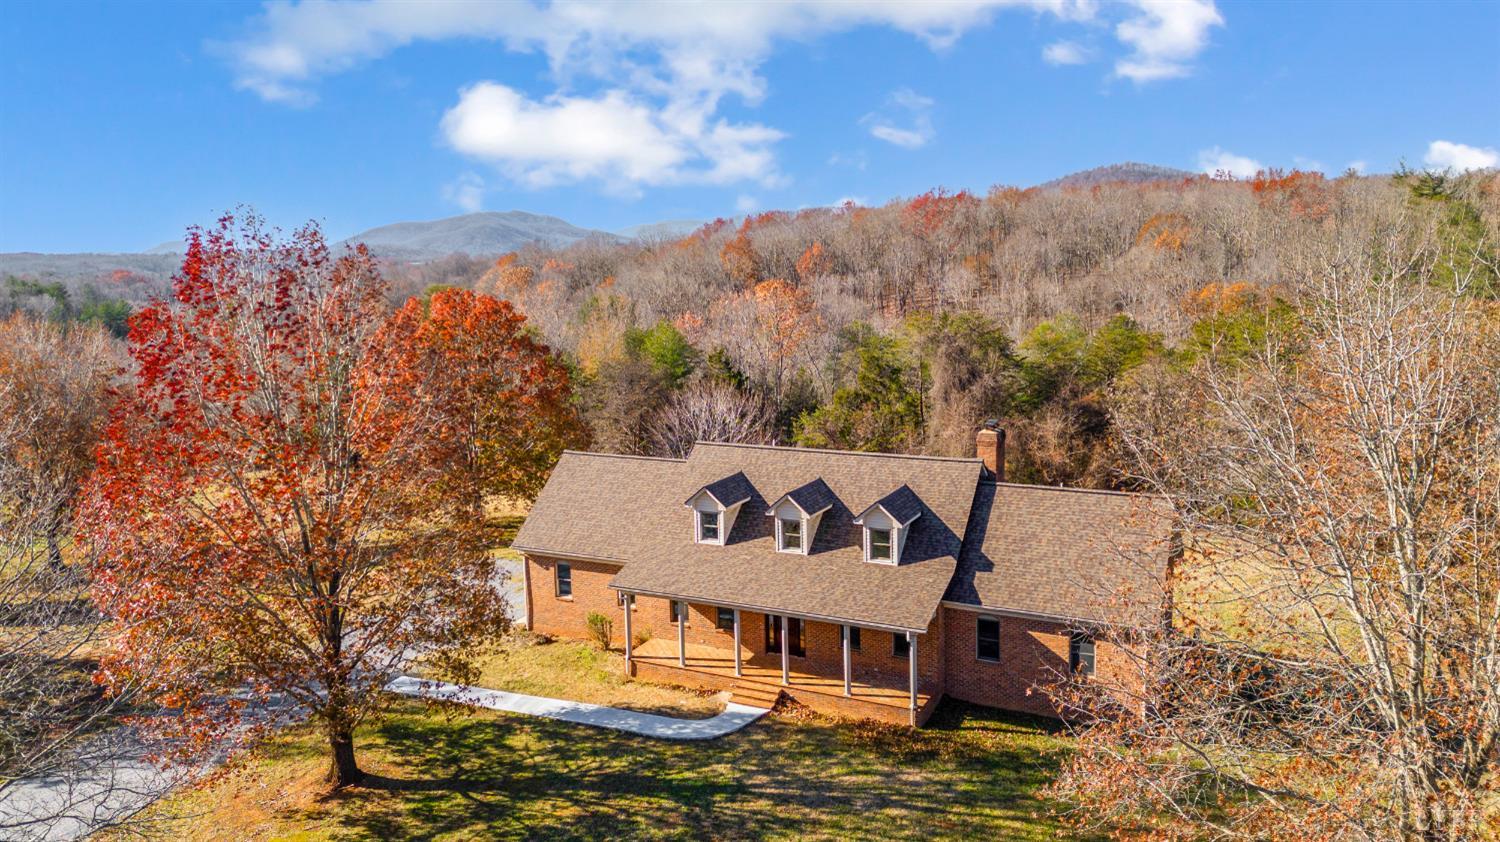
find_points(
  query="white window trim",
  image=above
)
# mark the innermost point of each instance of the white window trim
(869, 546)
(726, 515)
(698, 527)
(801, 548)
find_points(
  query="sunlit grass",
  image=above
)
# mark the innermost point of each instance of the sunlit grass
(584, 673)
(972, 774)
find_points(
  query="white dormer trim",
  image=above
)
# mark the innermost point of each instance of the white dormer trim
(877, 519)
(703, 503)
(787, 509)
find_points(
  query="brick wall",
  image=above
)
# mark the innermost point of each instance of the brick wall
(568, 616)
(1033, 653)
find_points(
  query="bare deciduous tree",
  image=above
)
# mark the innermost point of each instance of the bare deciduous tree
(709, 411)
(1336, 670)
(64, 762)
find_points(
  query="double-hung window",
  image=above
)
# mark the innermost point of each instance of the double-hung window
(880, 545)
(854, 638)
(1081, 653)
(708, 527)
(564, 579)
(679, 611)
(791, 534)
(725, 619)
(987, 631)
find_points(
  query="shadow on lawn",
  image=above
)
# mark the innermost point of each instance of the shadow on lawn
(975, 773)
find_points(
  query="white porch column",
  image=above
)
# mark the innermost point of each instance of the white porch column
(739, 670)
(682, 636)
(629, 644)
(911, 661)
(848, 684)
(786, 649)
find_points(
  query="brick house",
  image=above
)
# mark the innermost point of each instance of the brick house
(857, 583)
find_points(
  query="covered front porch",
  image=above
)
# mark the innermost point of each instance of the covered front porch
(815, 662)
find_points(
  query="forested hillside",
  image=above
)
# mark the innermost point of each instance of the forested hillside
(900, 327)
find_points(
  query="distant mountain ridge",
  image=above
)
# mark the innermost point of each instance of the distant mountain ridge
(1129, 172)
(485, 233)
(491, 232)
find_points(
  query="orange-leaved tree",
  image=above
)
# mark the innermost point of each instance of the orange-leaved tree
(504, 395)
(280, 505)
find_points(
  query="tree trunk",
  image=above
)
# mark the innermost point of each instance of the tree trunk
(343, 771)
(54, 545)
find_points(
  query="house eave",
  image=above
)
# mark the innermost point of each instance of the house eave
(765, 609)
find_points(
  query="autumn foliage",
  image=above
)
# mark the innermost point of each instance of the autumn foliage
(285, 500)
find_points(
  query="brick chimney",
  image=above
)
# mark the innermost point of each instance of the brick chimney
(989, 446)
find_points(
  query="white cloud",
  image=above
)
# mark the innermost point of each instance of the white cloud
(914, 113)
(466, 191)
(1445, 155)
(1215, 161)
(1358, 166)
(1066, 52)
(614, 138)
(1165, 35)
(655, 69)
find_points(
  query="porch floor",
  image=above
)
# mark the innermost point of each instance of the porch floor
(765, 670)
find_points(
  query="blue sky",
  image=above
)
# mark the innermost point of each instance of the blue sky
(120, 124)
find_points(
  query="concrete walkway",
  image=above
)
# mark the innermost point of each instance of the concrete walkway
(734, 717)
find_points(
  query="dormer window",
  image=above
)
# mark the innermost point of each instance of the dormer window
(715, 507)
(798, 513)
(887, 522)
(708, 527)
(790, 529)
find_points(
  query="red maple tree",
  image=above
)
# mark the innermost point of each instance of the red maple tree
(505, 397)
(284, 501)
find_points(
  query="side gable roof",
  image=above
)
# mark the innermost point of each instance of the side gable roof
(1098, 556)
(593, 504)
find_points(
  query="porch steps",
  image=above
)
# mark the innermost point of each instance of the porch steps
(754, 695)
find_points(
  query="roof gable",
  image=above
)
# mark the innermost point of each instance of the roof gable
(902, 506)
(811, 498)
(727, 491)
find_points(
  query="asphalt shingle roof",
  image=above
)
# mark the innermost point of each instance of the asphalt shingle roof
(901, 504)
(592, 501)
(1064, 552)
(1031, 549)
(812, 497)
(730, 490)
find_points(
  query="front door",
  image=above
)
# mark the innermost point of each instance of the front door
(793, 633)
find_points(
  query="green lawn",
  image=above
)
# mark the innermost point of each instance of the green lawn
(973, 773)
(583, 672)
